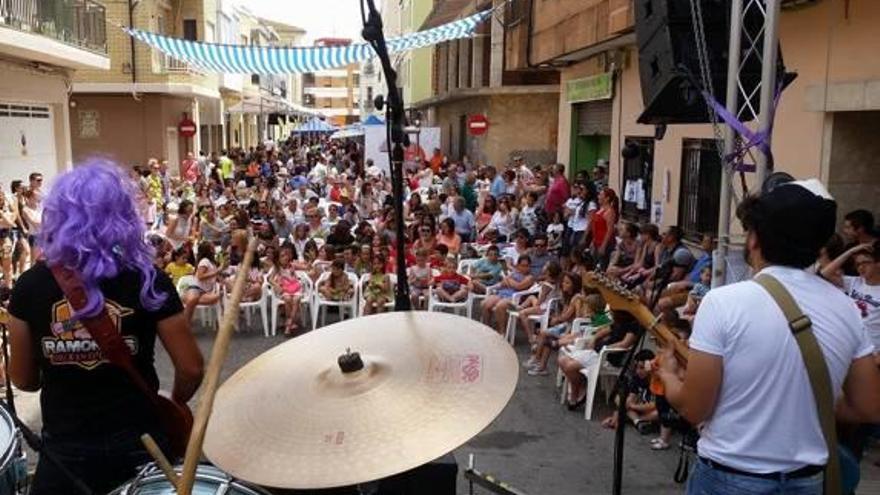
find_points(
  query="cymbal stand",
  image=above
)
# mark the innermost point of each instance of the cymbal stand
(486, 481)
(394, 120)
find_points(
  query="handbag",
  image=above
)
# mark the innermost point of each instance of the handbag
(820, 382)
(176, 419)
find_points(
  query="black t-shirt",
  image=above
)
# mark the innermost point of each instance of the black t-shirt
(617, 334)
(82, 394)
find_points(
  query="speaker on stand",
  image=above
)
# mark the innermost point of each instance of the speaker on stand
(669, 62)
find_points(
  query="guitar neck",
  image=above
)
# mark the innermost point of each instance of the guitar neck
(621, 299)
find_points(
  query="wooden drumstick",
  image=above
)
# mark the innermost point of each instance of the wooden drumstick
(160, 459)
(212, 375)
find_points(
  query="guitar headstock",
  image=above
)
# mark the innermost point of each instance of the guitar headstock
(615, 294)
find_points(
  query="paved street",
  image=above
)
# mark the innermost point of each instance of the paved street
(535, 445)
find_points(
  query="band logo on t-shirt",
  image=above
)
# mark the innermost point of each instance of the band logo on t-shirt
(865, 302)
(71, 343)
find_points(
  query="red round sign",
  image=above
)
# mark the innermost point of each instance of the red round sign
(477, 125)
(186, 128)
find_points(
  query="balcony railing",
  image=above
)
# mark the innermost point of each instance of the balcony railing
(174, 66)
(271, 84)
(81, 23)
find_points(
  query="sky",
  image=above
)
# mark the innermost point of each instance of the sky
(320, 18)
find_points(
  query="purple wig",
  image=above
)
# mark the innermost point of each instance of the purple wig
(91, 224)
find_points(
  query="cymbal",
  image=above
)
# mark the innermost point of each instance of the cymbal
(291, 418)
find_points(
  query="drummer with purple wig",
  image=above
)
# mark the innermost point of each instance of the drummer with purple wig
(92, 414)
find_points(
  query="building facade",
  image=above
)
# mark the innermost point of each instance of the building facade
(469, 78)
(334, 94)
(822, 128)
(42, 46)
(137, 106)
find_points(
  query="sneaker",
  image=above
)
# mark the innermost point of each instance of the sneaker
(659, 444)
(538, 371)
(530, 363)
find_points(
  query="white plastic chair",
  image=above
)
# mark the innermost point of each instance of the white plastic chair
(248, 307)
(435, 304)
(362, 285)
(601, 368)
(207, 314)
(513, 314)
(321, 304)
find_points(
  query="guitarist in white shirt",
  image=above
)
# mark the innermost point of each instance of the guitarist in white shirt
(746, 381)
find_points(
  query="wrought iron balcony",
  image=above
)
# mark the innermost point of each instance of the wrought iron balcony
(81, 23)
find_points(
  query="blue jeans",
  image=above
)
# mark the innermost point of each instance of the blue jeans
(706, 480)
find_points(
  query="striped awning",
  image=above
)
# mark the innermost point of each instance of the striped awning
(248, 59)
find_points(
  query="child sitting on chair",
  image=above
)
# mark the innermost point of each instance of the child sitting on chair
(487, 271)
(337, 286)
(179, 266)
(451, 286)
(378, 288)
(288, 287)
(419, 279)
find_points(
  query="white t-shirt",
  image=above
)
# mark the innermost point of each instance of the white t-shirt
(502, 224)
(207, 284)
(579, 221)
(867, 298)
(765, 419)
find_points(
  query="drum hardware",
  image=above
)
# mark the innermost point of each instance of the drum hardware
(486, 481)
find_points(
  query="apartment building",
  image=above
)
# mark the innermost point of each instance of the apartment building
(335, 93)
(469, 79)
(824, 124)
(42, 46)
(135, 110)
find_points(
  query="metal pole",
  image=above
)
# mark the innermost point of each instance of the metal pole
(768, 82)
(720, 262)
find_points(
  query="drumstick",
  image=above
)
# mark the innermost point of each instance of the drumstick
(212, 376)
(160, 459)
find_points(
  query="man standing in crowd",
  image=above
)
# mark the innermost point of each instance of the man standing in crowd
(189, 168)
(746, 380)
(600, 175)
(559, 191)
(227, 166)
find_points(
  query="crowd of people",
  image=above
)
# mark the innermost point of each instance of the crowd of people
(510, 244)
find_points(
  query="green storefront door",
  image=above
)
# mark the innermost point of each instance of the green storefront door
(587, 150)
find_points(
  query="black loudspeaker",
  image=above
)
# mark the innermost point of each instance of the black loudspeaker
(669, 64)
(438, 477)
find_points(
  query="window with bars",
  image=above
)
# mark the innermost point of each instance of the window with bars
(638, 178)
(700, 188)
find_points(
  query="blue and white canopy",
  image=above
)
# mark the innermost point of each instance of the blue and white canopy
(315, 125)
(247, 59)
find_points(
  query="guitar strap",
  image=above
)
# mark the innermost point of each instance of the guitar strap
(817, 370)
(103, 330)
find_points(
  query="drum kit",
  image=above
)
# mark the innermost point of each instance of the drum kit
(351, 403)
(348, 404)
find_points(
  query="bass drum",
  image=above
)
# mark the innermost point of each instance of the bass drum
(13, 464)
(209, 481)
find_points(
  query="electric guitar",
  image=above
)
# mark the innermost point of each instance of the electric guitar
(619, 298)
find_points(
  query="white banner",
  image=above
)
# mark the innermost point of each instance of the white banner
(376, 146)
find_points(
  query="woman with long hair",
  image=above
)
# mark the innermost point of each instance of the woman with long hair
(179, 229)
(92, 414)
(602, 226)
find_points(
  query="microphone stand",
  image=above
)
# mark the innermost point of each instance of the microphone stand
(622, 389)
(397, 138)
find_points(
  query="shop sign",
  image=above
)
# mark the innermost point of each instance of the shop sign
(598, 87)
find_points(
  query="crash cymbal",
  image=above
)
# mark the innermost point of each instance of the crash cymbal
(291, 418)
